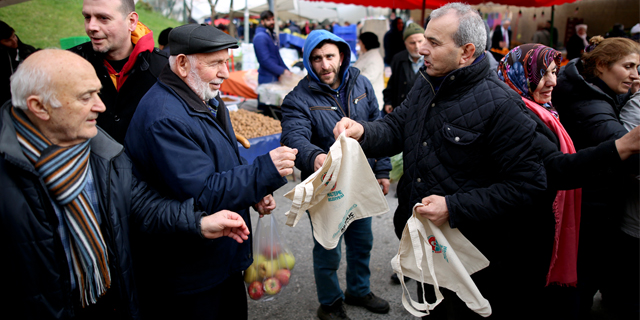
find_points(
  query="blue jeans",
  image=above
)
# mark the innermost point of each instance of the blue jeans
(359, 240)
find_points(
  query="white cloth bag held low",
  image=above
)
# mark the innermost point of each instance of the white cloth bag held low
(342, 191)
(442, 257)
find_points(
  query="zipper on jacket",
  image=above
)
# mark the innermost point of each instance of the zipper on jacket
(323, 108)
(429, 82)
(359, 98)
(330, 95)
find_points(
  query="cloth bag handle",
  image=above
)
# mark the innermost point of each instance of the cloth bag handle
(416, 230)
(304, 194)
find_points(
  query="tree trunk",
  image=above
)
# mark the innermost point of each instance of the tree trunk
(232, 27)
(213, 11)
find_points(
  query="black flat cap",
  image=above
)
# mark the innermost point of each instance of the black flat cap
(199, 38)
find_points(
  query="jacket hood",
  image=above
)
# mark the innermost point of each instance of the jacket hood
(314, 38)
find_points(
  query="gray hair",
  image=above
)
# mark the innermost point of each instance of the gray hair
(31, 80)
(471, 28)
(192, 60)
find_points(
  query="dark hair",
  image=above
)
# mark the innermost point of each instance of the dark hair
(266, 15)
(5, 30)
(370, 40)
(606, 52)
(163, 38)
(127, 6)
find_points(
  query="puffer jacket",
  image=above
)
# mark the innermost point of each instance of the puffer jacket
(36, 269)
(172, 125)
(470, 142)
(589, 111)
(312, 109)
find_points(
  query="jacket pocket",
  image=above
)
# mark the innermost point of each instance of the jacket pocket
(331, 108)
(357, 99)
(458, 135)
(461, 147)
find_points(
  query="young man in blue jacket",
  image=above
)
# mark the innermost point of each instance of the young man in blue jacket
(181, 140)
(331, 91)
(267, 47)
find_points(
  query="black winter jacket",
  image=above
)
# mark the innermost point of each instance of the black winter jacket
(36, 270)
(121, 104)
(472, 143)
(590, 114)
(401, 80)
(10, 59)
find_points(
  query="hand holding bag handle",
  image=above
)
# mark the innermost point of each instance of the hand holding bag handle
(305, 195)
(416, 229)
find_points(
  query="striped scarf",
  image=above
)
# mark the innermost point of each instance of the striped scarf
(64, 172)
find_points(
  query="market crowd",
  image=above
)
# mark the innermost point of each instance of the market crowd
(124, 195)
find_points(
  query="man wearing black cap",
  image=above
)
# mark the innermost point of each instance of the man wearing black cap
(12, 53)
(122, 54)
(182, 117)
(404, 68)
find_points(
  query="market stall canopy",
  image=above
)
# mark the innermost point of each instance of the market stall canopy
(4, 3)
(286, 10)
(433, 4)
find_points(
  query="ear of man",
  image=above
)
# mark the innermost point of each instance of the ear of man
(183, 66)
(467, 54)
(132, 20)
(37, 108)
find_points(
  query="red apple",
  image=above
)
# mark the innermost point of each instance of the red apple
(256, 291)
(272, 286)
(283, 276)
(271, 251)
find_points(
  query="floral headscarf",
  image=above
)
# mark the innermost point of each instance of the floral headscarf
(524, 66)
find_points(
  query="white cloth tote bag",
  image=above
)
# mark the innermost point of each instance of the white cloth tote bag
(342, 191)
(442, 257)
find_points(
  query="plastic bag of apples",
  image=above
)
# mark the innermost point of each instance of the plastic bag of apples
(272, 261)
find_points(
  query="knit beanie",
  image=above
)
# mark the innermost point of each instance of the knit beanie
(370, 40)
(412, 29)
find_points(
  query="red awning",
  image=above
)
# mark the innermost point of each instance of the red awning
(433, 4)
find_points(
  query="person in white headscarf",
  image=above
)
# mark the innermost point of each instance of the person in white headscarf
(577, 42)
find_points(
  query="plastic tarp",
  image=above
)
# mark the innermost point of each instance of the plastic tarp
(433, 4)
(259, 146)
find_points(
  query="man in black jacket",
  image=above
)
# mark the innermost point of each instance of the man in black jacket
(69, 199)
(501, 37)
(122, 53)
(12, 53)
(404, 68)
(469, 159)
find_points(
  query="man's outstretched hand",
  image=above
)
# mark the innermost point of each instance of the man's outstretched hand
(351, 128)
(224, 223)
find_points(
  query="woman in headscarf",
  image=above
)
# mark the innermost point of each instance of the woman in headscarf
(589, 95)
(530, 70)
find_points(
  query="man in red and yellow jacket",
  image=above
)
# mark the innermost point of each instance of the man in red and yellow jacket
(122, 53)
